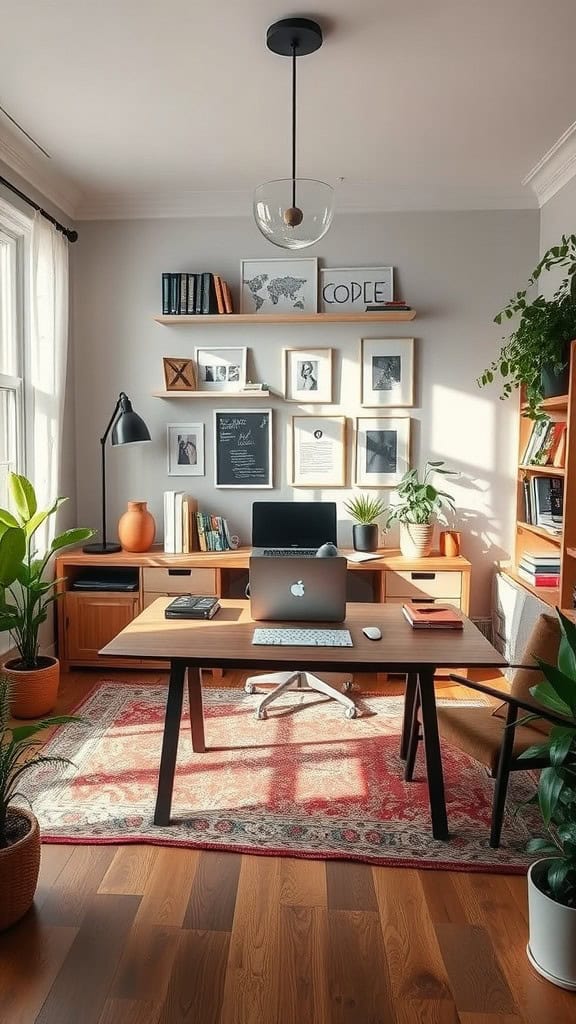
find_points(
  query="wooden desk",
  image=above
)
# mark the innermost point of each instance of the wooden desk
(226, 641)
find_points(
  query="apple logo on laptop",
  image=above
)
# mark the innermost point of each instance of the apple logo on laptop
(297, 589)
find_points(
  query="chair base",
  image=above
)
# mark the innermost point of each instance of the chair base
(304, 681)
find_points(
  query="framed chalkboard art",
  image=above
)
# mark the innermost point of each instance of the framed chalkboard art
(243, 448)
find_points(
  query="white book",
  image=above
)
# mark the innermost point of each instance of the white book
(169, 522)
(178, 523)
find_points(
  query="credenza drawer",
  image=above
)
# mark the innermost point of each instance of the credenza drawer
(157, 580)
(420, 583)
(424, 600)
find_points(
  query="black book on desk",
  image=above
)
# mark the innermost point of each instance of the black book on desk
(191, 606)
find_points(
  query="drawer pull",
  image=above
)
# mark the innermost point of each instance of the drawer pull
(422, 600)
(422, 575)
(179, 572)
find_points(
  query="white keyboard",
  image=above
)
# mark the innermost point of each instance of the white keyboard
(302, 637)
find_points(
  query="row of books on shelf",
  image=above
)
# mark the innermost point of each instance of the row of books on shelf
(186, 294)
(546, 445)
(186, 529)
(540, 570)
(544, 502)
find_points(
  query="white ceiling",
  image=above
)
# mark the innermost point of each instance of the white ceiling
(160, 105)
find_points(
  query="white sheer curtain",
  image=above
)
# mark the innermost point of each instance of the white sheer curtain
(48, 358)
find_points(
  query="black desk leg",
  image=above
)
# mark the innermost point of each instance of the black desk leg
(170, 743)
(433, 756)
(409, 697)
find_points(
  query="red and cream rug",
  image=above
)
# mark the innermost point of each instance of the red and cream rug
(306, 782)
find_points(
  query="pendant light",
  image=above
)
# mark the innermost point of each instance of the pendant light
(294, 212)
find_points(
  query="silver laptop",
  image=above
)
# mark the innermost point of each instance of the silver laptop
(298, 589)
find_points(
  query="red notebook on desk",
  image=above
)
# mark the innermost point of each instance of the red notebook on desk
(433, 616)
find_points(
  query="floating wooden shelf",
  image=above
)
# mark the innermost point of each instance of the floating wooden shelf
(550, 595)
(554, 538)
(287, 318)
(546, 470)
(220, 395)
(558, 402)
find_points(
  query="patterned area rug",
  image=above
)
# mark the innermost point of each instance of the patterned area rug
(306, 782)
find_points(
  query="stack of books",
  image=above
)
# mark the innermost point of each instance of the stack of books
(433, 616)
(546, 444)
(180, 526)
(213, 534)
(186, 294)
(540, 570)
(396, 305)
(544, 502)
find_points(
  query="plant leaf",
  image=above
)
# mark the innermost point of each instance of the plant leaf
(549, 788)
(12, 551)
(23, 496)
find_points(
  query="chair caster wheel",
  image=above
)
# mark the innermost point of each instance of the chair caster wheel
(351, 713)
(347, 686)
(249, 688)
(260, 715)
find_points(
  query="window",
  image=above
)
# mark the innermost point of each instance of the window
(11, 358)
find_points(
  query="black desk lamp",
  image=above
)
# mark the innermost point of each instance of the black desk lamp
(127, 428)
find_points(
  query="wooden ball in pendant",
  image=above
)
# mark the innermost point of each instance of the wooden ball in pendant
(293, 216)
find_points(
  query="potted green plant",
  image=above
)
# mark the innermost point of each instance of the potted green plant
(419, 506)
(26, 594)
(19, 831)
(552, 880)
(365, 511)
(536, 354)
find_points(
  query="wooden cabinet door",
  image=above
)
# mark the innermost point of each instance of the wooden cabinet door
(91, 620)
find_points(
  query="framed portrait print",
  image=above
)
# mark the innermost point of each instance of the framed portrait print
(318, 451)
(382, 450)
(185, 445)
(221, 369)
(279, 286)
(387, 372)
(308, 375)
(243, 448)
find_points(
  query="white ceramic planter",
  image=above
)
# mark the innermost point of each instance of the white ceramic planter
(551, 945)
(416, 540)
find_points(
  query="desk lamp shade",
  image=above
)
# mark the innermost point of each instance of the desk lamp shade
(293, 212)
(127, 428)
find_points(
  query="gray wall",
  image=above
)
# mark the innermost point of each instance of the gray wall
(456, 269)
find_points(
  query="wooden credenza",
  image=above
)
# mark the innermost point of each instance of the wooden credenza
(88, 620)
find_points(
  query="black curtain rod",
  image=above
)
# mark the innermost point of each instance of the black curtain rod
(68, 233)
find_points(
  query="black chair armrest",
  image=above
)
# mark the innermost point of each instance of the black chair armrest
(507, 698)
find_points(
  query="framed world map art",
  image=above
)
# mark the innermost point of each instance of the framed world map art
(279, 286)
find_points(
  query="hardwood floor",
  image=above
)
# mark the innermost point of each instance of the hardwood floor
(149, 935)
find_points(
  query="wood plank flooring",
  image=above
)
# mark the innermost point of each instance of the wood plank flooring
(150, 935)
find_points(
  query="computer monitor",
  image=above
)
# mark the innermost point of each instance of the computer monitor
(293, 524)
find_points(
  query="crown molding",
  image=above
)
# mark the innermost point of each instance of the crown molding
(555, 169)
(351, 197)
(51, 184)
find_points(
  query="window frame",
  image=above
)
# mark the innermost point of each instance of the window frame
(15, 231)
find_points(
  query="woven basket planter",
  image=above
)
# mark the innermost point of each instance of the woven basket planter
(33, 691)
(19, 866)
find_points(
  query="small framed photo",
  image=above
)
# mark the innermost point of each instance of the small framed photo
(382, 450)
(308, 375)
(387, 372)
(179, 374)
(279, 286)
(185, 445)
(355, 289)
(221, 369)
(318, 451)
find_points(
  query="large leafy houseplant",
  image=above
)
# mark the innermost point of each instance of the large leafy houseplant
(539, 342)
(420, 502)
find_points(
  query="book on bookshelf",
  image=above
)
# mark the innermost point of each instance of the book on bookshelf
(537, 560)
(542, 454)
(559, 456)
(539, 579)
(534, 441)
(548, 500)
(213, 534)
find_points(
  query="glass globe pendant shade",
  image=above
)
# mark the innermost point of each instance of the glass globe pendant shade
(293, 225)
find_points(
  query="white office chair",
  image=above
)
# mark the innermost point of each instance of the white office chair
(303, 681)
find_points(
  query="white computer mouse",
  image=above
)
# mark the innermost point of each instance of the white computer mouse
(372, 632)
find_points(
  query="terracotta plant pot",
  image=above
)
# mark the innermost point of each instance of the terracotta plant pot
(416, 539)
(33, 691)
(552, 943)
(19, 866)
(136, 527)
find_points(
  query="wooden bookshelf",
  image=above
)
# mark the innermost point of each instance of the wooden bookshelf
(203, 319)
(534, 539)
(222, 396)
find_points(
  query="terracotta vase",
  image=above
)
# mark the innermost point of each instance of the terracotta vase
(136, 528)
(19, 866)
(33, 691)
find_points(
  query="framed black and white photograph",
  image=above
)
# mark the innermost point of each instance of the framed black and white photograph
(243, 448)
(220, 369)
(185, 446)
(279, 286)
(308, 375)
(387, 372)
(382, 450)
(355, 289)
(318, 451)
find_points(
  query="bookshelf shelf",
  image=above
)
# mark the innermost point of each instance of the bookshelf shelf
(550, 595)
(221, 396)
(550, 404)
(286, 318)
(545, 470)
(554, 538)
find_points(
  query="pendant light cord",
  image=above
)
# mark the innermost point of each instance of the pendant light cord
(294, 44)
